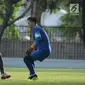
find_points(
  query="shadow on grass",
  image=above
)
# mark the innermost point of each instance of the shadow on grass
(2, 82)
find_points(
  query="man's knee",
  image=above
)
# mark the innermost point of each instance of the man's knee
(24, 59)
(27, 58)
(1, 61)
(0, 55)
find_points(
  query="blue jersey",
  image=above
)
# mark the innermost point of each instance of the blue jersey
(41, 38)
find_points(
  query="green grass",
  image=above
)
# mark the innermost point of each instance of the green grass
(47, 76)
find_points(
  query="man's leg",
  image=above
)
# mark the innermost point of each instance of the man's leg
(1, 65)
(29, 60)
(30, 64)
(4, 75)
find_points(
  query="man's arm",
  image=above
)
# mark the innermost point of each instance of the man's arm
(37, 37)
(32, 47)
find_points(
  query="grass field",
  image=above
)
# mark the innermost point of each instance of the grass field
(47, 76)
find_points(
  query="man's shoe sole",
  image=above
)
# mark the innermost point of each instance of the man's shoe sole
(5, 78)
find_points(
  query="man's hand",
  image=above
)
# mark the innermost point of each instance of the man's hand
(28, 52)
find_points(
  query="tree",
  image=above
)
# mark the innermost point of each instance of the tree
(72, 24)
(83, 20)
(9, 31)
(37, 6)
(7, 13)
(41, 5)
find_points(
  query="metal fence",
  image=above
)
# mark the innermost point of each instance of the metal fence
(65, 45)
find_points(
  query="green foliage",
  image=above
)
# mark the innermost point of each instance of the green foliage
(15, 9)
(50, 4)
(11, 33)
(72, 24)
(2, 9)
(53, 5)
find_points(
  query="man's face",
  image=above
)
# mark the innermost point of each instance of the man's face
(30, 24)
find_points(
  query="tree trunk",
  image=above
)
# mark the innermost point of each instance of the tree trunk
(83, 20)
(7, 16)
(9, 13)
(37, 11)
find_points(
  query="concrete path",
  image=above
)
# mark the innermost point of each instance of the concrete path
(48, 63)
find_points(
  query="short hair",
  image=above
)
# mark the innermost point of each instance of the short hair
(32, 19)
